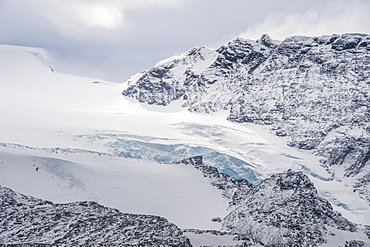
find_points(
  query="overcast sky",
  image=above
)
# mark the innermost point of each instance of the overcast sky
(114, 39)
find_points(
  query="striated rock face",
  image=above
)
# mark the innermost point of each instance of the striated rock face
(283, 210)
(312, 90)
(27, 221)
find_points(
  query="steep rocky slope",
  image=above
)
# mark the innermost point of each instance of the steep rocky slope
(282, 210)
(27, 220)
(312, 90)
(285, 209)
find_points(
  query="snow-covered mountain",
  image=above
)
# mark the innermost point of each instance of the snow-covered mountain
(314, 91)
(66, 138)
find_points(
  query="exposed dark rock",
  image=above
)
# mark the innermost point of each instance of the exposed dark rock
(27, 221)
(354, 243)
(283, 210)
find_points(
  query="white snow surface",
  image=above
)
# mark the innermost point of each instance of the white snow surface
(207, 239)
(177, 192)
(46, 109)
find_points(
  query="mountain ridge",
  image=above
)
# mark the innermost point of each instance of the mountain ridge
(27, 220)
(311, 90)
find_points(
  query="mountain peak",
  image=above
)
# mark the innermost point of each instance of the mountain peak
(267, 41)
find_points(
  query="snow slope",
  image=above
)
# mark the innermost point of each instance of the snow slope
(178, 192)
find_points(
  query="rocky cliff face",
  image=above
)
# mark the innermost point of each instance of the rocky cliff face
(27, 221)
(312, 90)
(285, 210)
(282, 210)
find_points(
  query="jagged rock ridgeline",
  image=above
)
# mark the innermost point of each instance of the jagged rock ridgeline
(312, 90)
(27, 221)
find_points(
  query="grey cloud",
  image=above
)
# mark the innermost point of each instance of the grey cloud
(147, 31)
(339, 16)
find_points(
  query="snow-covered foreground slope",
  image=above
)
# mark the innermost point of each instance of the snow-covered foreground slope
(43, 109)
(177, 192)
